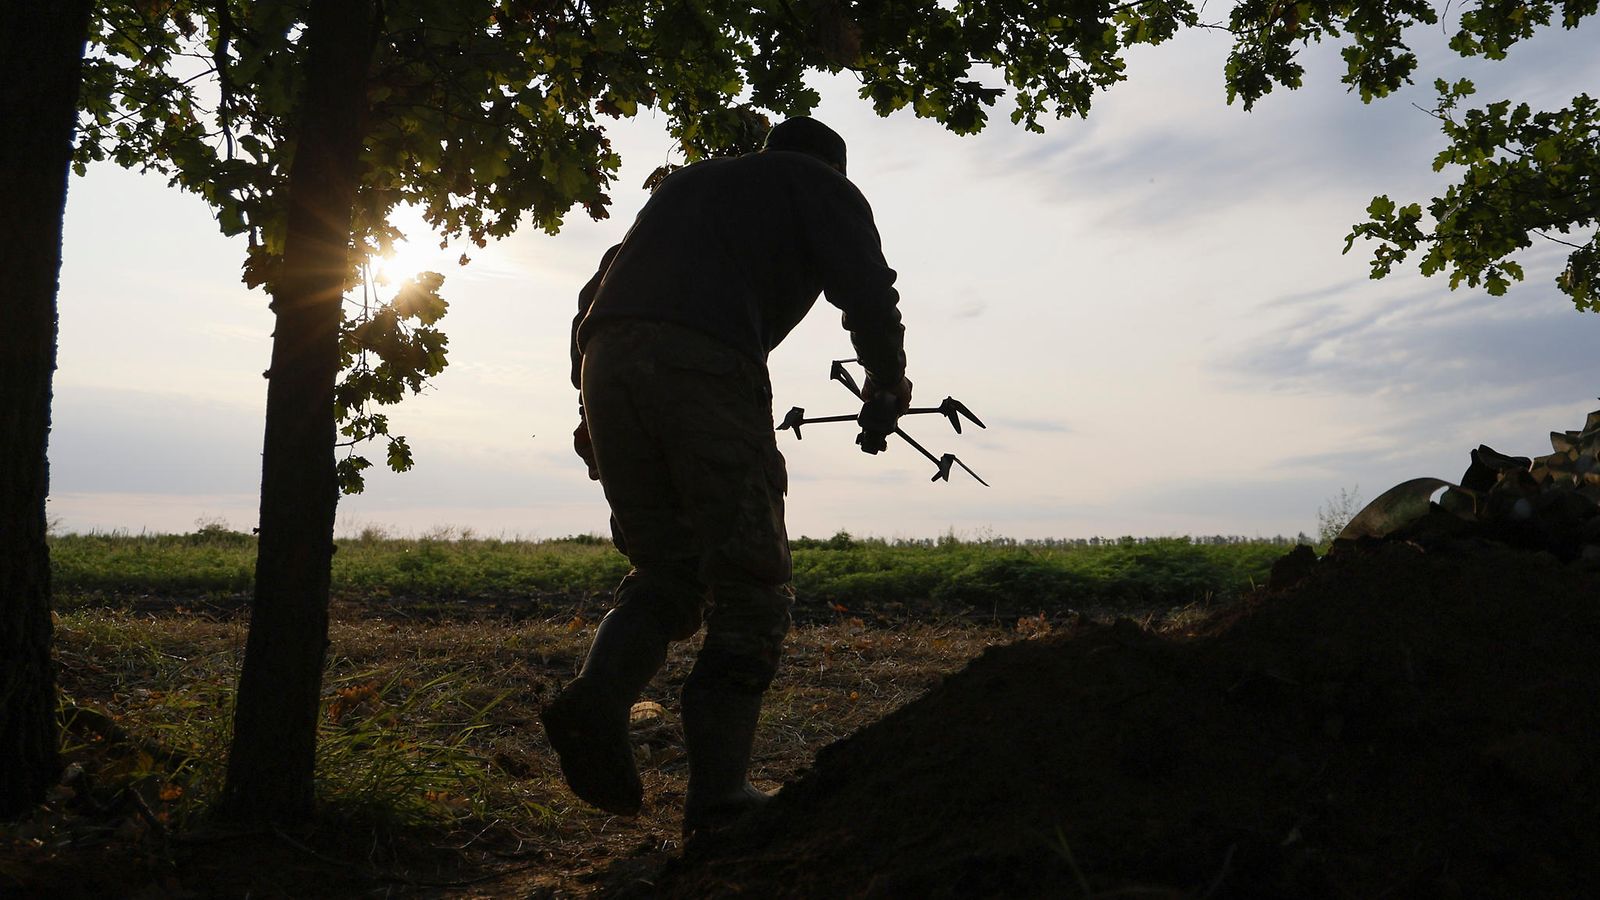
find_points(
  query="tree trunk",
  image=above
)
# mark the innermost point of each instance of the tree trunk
(271, 762)
(41, 56)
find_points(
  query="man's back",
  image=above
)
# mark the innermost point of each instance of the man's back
(740, 248)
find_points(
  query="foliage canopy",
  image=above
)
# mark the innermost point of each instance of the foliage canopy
(1525, 173)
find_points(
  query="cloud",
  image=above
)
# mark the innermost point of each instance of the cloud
(1165, 151)
(1524, 348)
(126, 441)
(1411, 376)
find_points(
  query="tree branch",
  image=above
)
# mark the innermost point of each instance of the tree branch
(1559, 241)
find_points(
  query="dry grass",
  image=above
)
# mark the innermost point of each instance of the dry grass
(433, 769)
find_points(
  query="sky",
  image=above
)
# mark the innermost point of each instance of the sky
(1148, 308)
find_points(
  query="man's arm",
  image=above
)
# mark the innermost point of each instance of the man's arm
(585, 300)
(581, 443)
(848, 251)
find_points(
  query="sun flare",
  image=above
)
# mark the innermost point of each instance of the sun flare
(407, 261)
(419, 252)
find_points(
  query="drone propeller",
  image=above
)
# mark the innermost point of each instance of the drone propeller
(944, 469)
(842, 375)
(797, 417)
(951, 409)
(793, 421)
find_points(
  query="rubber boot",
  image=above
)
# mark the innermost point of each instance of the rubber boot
(719, 725)
(587, 723)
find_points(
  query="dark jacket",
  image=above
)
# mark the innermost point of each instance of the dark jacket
(740, 248)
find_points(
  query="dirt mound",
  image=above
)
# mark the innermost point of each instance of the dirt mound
(1399, 723)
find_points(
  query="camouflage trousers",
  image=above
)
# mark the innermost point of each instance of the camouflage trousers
(683, 439)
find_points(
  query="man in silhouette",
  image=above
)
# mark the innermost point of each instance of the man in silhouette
(669, 352)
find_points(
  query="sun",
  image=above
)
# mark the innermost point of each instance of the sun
(419, 252)
(408, 260)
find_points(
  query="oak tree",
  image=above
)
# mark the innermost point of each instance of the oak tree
(39, 71)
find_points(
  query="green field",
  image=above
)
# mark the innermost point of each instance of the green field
(902, 579)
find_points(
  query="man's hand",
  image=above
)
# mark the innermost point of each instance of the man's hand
(881, 409)
(584, 445)
(901, 392)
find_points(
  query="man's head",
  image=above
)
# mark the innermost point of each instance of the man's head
(804, 134)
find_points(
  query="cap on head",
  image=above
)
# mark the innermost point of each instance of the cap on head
(804, 134)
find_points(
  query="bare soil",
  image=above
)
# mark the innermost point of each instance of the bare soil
(1396, 724)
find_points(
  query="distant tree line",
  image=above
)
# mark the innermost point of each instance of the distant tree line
(843, 540)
